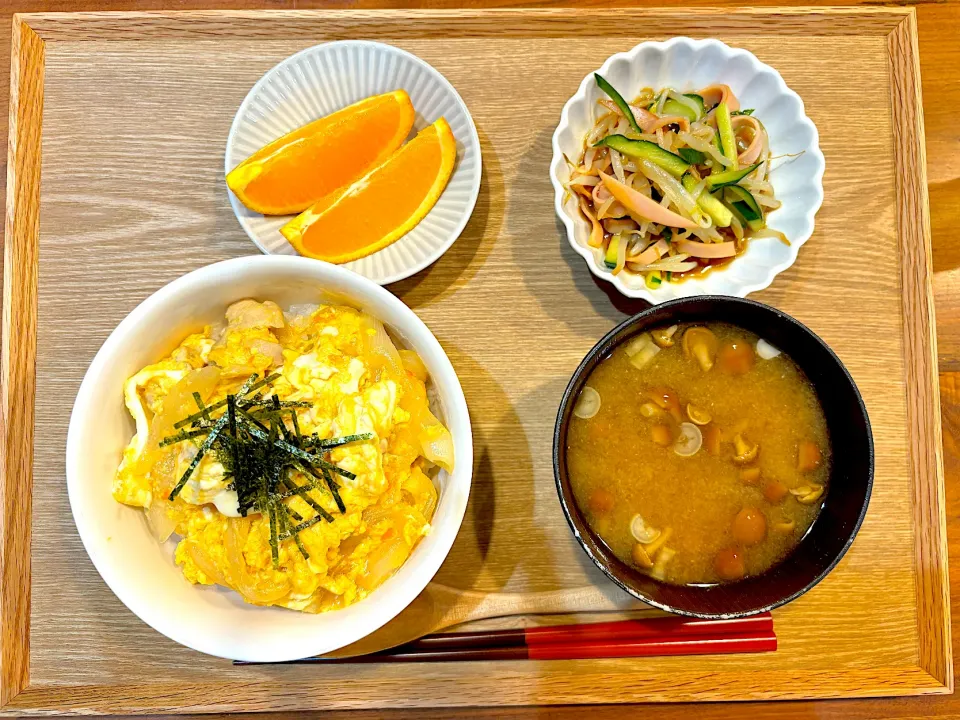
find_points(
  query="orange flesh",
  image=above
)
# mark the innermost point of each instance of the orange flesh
(380, 207)
(296, 170)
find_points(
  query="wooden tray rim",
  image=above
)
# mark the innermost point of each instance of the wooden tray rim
(933, 672)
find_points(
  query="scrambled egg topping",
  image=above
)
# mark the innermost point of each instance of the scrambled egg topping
(343, 366)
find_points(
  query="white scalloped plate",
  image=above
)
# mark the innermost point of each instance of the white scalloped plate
(325, 78)
(686, 64)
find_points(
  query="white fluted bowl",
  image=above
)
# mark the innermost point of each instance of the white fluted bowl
(685, 64)
(325, 78)
(141, 571)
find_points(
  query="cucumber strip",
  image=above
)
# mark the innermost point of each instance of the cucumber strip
(675, 107)
(673, 164)
(729, 177)
(745, 206)
(737, 194)
(728, 141)
(653, 279)
(694, 157)
(618, 101)
(610, 257)
(719, 212)
(699, 101)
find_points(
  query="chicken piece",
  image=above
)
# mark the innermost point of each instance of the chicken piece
(252, 314)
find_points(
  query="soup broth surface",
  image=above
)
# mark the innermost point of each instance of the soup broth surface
(723, 455)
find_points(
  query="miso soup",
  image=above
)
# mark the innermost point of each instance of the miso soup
(698, 453)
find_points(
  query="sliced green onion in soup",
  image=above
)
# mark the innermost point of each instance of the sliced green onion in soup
(658, 572)
(765, 350)
(690, 440)
(588, 404)
(641, 533)
(641, 350)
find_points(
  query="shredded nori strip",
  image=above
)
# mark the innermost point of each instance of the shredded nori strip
(274, 542)
(263, 433)
(205, 411)
(207, 444)
(334, 490)
(183, 435)
(301, 527)
(248, 387)
(296, 427)
(261, 456)
(287, 528)
(302, 491)
(337, 442)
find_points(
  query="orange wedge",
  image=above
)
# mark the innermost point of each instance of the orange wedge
(293, 172)
(380, 207)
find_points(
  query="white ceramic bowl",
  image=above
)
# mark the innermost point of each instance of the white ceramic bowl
(142, 572)
(685, 64)
(325, 78)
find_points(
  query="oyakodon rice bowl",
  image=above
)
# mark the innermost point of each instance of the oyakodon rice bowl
(344, 513)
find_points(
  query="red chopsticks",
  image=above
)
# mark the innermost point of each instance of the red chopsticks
(627, 638)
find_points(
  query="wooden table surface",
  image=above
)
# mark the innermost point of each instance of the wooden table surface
(938, 21)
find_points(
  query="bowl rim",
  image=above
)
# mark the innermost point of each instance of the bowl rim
(84, 405)
(607, 342)
(560, 192)
(472, 143)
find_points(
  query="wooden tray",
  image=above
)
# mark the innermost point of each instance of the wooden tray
(135, 110)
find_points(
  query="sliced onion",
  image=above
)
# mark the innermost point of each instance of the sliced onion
(159, 521)
(247, 584)
(203, 562)
(765, 350)
(424, 492)
(588, 404)
(436, 441)
(381, 344)
(413, 364)
(690, 440)
(383, 561)
(177, 404)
